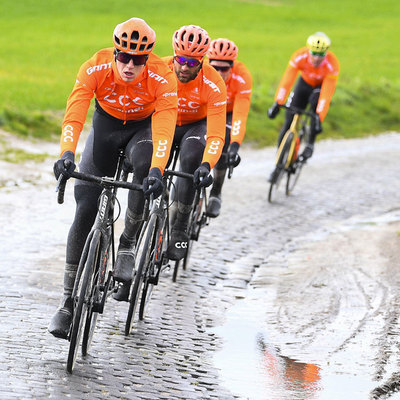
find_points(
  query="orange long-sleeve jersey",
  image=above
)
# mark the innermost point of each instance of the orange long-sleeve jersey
(153, 92)
(238, 88)
(325, 74)
(204, 97)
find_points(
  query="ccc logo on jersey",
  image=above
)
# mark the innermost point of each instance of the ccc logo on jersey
(123, 100)
(184, 103)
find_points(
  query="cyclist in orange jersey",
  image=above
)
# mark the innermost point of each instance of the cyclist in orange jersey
(135, 110)
(222, 55)
(319, 70)
(200, 129)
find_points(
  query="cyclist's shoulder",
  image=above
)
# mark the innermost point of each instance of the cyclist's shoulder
(102, 56)
(332, 58)
(98, 65)
(158, 63)
(300, 54)
(240, 66)
(212, 80)
(241, 71)
(158, 67)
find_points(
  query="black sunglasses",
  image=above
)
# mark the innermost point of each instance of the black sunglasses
(190, 62)
(222, 69)
(125, 58)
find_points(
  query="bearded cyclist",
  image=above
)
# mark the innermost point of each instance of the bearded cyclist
(200, 128)
(319, 70)
(135, 109)
(222, 55)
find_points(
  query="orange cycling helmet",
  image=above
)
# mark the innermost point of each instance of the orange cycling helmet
(134, 36)
(191, 41)
(223, 49)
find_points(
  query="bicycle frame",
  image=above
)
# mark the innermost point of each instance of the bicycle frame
(287, 159)
(104, 223)
(94, 275)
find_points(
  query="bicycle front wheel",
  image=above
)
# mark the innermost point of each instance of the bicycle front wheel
(94, 259)
(153, 266)
(81, 301)
(293, 177)
(142, 256)
(282, 159)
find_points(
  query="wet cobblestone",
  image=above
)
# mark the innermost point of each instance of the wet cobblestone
(170, 354)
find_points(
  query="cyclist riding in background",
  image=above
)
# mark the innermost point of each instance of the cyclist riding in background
(222, 55)
(200, 130)
(135, 109)
(319, 71)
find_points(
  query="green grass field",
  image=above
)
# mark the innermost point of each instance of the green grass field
(43, 44)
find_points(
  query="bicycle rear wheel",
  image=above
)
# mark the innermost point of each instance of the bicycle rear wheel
(95, 295)
(81, 301)
(142, 254)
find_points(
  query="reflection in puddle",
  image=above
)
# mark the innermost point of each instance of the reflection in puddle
(253, 368)
(280, 371)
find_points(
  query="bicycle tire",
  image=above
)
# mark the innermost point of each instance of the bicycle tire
(292, 178)
(91, 316)
(153, 256)
(175, 272)
(142, 253)
(281, 160)
(80, 311)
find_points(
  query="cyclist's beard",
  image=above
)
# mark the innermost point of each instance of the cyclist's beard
(187, 75)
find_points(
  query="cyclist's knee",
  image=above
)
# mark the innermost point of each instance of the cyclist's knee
(86, 197)
(190, 161)
(222, 162)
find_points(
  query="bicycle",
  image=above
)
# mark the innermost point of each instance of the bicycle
(151, 259)
(288, 157)
(198, 218)
(94, 281)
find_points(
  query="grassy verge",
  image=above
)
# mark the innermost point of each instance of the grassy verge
(15, 155)
(54, 38)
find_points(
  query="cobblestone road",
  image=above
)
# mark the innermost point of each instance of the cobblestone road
(241, 256)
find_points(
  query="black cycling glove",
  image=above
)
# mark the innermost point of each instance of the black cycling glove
(201, 176)
(233, 156)
(153, 183)
(273, 110)
(65, 165)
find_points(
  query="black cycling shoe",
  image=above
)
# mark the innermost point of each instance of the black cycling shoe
(178, 245)
(124, 265)
(307, 152)
(214, 206)
(61, 322)
(122, 293)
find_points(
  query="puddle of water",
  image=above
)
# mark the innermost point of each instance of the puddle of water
(254, 367)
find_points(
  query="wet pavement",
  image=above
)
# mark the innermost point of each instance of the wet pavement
(292, 300)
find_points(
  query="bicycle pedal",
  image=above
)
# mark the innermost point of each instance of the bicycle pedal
(98, 307)
(153, 280)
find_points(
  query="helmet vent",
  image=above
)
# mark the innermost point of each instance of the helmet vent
(135, 36)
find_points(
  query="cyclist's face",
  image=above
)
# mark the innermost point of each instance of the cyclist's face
(129, 72)
(185, 73)
(224, 68)
(316, 60)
